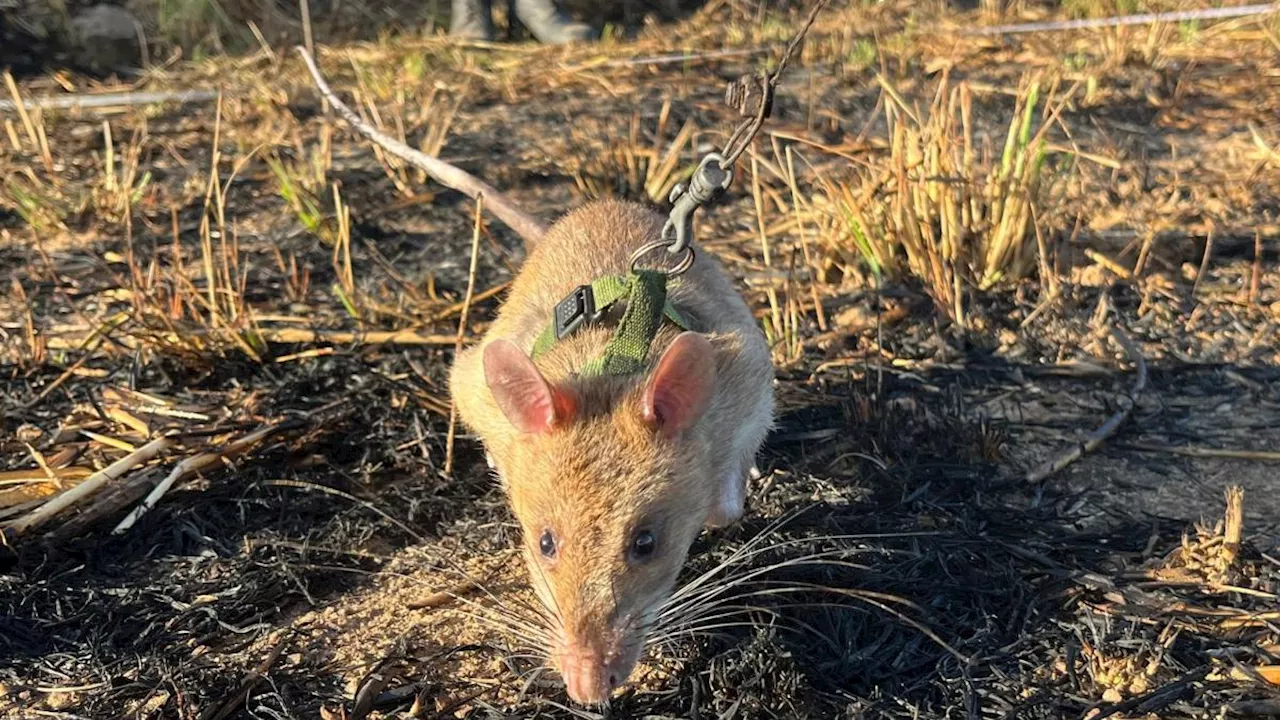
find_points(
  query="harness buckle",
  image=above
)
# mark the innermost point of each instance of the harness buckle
(577, 308)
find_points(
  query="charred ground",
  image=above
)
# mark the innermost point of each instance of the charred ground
(316, 572)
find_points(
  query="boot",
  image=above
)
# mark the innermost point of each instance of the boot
(471, 19)
(549, 24)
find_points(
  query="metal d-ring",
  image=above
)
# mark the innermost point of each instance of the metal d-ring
(681, 267)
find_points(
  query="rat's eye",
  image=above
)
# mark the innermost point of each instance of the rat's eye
(643, 545)
(547, 544)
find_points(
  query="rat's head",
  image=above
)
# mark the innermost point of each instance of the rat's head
(610, 483)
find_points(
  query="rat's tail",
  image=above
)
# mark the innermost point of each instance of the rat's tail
(529, 228)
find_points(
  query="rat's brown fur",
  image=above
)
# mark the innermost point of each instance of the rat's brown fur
(606, 471)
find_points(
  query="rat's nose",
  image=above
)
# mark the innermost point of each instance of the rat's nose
(588, 676)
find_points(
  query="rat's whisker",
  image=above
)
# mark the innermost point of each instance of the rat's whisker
(747, 552)
(721, 589)
(706, 630)
(875, 599)
(532, 623)
(772, 589)
(710, 629)
(759, 537)
(536, 621)
(536, 611)
(735, 611)
(529, 633)
(505, 629)
(553, 614)
(537, 617)
(727, 610)
(829, 558)
(821, 555)
(514, 613)
(721, 621)
(750, 550)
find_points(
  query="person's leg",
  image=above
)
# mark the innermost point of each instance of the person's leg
(472, 19)
(549, 24)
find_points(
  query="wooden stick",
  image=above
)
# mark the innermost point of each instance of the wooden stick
(1108, 428)
(111, 502)
(90, 485)
(189, 467)
(529, 228)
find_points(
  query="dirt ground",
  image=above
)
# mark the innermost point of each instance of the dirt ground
(338, 568)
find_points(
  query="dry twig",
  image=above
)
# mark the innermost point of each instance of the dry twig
(90, 485)
(1206, 452)
(1108, 428)
(189, 467)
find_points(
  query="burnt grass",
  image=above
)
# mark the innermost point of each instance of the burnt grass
(948, 586)
(1003, 573)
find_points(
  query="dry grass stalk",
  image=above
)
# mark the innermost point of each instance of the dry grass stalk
(89, 485)
(189, 467)
(603, 166)
(941, 210)
(115, 195)
(774, 330)
(203, 338)
(345, 288)
(1106, 262)
(18, 487)
(34, 128)
(1211, 555)
(463, 317)
(797, 200)
(439, 122)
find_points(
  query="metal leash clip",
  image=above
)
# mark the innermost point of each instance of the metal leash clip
(752, 97)
(708, 181)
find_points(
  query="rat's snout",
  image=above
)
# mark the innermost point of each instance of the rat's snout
(593, 671)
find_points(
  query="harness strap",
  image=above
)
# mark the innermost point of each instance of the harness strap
(647, 306)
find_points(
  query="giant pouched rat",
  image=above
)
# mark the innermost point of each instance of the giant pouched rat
(611, 477)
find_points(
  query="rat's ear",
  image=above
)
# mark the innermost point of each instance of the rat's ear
(527, 400)
(681, 385)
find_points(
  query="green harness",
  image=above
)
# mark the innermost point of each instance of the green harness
(628, 350)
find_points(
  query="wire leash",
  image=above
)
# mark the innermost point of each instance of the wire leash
(752, 96)
(1123, 20)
